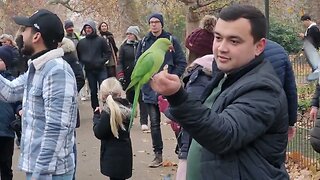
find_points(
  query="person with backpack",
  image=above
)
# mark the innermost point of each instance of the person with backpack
(312, 31)
(176, 62)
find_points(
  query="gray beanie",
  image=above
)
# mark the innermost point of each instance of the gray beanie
(134, 30)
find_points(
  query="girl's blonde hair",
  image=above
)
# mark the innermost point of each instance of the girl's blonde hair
(111, 88)
(208, 22)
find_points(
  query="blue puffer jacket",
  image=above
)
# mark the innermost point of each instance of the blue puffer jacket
(7, 112)
(279, 59)
(176, 61)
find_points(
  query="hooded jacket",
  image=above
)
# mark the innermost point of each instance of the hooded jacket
(93, 50)
(71, 57)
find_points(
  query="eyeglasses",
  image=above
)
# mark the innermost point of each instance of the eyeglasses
(154, 22)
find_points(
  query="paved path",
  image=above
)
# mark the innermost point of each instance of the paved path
(89, 151)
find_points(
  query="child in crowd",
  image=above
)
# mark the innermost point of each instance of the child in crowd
(111, 127)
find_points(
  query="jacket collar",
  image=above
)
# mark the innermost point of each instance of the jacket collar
(42, 59)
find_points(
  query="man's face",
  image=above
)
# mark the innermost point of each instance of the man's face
(155, 25)
(69, 30)
(233, 44)
(306, 23)
(28, 48)
(88, 30)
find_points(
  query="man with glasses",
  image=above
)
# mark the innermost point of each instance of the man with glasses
(176, 62)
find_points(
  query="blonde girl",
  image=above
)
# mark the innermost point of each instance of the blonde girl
(111, 127)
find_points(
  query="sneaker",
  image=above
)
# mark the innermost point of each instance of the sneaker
(144, 127)
(83, 98)
(157, 161)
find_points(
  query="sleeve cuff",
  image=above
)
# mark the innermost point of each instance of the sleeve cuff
(177, 98)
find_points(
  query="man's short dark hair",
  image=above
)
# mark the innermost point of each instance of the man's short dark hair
(305, 17)
(254, 15)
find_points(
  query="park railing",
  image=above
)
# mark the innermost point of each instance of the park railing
(299, 149)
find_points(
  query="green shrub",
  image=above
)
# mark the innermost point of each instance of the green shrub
(285, 35)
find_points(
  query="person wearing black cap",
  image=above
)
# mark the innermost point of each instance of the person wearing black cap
(48, 92)
(93, 52)
(7, 116)
(176, 62)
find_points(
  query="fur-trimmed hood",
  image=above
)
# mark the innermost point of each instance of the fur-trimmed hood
(67, 45)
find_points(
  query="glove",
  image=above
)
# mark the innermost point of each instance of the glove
(163, 104)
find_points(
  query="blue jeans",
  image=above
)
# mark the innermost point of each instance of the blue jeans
(154, 114)
(95, 78)
(67, 176)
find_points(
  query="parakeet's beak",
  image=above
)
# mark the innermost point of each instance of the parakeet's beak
(171, 48)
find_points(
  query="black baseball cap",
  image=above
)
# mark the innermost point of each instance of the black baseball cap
(45, 22)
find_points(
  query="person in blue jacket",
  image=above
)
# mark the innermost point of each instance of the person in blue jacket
(7, 116)
(279, 59)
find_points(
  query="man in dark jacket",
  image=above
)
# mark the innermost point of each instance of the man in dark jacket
(176, 62)
(240, 128)
(94, 53)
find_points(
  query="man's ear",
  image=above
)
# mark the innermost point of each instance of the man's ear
(36, 37)
(259, 46)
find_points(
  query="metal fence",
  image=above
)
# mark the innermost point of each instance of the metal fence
(299, 150)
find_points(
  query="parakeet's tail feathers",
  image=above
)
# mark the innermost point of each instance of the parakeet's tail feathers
(132, 83)
(134, 105)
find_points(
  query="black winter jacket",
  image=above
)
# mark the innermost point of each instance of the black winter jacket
(93, 50)
(127, 60)
(7, 112)
(115, 154)
(244, 134)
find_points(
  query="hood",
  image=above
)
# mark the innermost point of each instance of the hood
(91, 24)
(67, 45)
(204, 61)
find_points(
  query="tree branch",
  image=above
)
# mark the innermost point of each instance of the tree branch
(65, 3)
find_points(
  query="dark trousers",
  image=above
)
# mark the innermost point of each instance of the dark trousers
(154, 114)
(6, 153)
(95, 78)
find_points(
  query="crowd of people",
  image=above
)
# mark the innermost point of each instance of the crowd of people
(232, 101)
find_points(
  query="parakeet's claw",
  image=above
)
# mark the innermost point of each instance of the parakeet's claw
(171, 48)
(165, 68)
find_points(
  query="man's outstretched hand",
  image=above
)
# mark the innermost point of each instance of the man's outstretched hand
(165, 84)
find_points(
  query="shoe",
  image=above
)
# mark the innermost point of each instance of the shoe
(144, 127)
(157, 161)
(83, 98)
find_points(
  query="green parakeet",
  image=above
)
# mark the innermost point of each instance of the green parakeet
(148, 64)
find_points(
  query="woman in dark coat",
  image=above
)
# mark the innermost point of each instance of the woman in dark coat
(105, 33)
(111, 127)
